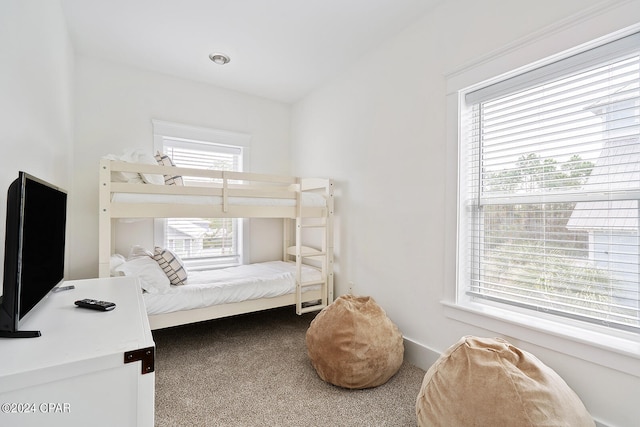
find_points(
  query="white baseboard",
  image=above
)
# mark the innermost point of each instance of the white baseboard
(419, 355)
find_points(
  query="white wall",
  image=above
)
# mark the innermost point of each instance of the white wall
(379, 129)
(36, 108)
(114, 108)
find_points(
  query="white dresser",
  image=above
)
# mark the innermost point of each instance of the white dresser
(89, 368)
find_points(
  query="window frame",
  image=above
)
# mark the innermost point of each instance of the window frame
(503, 127)
(615, 349)
(164, 129)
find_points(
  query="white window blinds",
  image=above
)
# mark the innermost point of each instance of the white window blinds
(203, 242)
(552, 211)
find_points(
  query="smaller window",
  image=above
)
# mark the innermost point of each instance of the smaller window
(202, 243)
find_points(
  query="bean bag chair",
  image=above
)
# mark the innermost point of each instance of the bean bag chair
(353, 344)
(489, 382)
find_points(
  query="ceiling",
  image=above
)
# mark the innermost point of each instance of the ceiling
(279, 49)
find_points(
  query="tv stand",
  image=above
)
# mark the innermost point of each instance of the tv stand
(20, 334)
(89, 367)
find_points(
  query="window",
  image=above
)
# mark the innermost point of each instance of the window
(201, 242)
(550, 189)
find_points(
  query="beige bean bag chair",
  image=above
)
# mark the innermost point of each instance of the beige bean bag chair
(489, 382)
(353, 344)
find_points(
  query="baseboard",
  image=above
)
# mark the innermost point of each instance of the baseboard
(419, 355)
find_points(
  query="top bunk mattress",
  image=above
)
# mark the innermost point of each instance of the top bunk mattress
(229, 285)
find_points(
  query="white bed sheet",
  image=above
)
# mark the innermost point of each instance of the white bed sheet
(228, 285)
(308, 199)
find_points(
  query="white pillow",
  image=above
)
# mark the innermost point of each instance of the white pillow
(172, 265)
(135, 155)
(152, 278)
(137, 251)
(115, 261)
(149, 159)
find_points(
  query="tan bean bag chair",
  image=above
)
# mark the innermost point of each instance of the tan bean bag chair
(353, 344)
(489, 382)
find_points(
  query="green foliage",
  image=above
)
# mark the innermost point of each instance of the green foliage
(527, 249)
(562, 280)
(531, 173)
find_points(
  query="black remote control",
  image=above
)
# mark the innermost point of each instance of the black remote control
(95, 304)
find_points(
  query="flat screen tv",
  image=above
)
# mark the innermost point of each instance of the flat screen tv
(33, 251)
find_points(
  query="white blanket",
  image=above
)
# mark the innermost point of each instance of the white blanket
(234, 284)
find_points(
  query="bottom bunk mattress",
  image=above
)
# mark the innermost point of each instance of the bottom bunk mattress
(229, 285)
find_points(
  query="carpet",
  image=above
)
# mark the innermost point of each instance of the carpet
(253, 370)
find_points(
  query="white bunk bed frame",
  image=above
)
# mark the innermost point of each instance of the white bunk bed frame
(231, 185)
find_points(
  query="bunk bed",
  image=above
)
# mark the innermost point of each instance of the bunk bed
(300, 202)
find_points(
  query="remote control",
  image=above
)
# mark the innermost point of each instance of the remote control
(95, 304)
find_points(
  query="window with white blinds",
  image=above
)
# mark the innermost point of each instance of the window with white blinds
(551, 208)
(203, 242)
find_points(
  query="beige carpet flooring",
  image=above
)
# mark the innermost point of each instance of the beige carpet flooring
(253, 370)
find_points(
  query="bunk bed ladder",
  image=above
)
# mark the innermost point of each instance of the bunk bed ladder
(323, 256)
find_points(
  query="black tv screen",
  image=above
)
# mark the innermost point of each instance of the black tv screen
(34, 249)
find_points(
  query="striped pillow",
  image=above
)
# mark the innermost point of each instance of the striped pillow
(164, 160)
(172, 265)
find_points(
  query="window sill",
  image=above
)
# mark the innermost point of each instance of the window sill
(615, 350)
